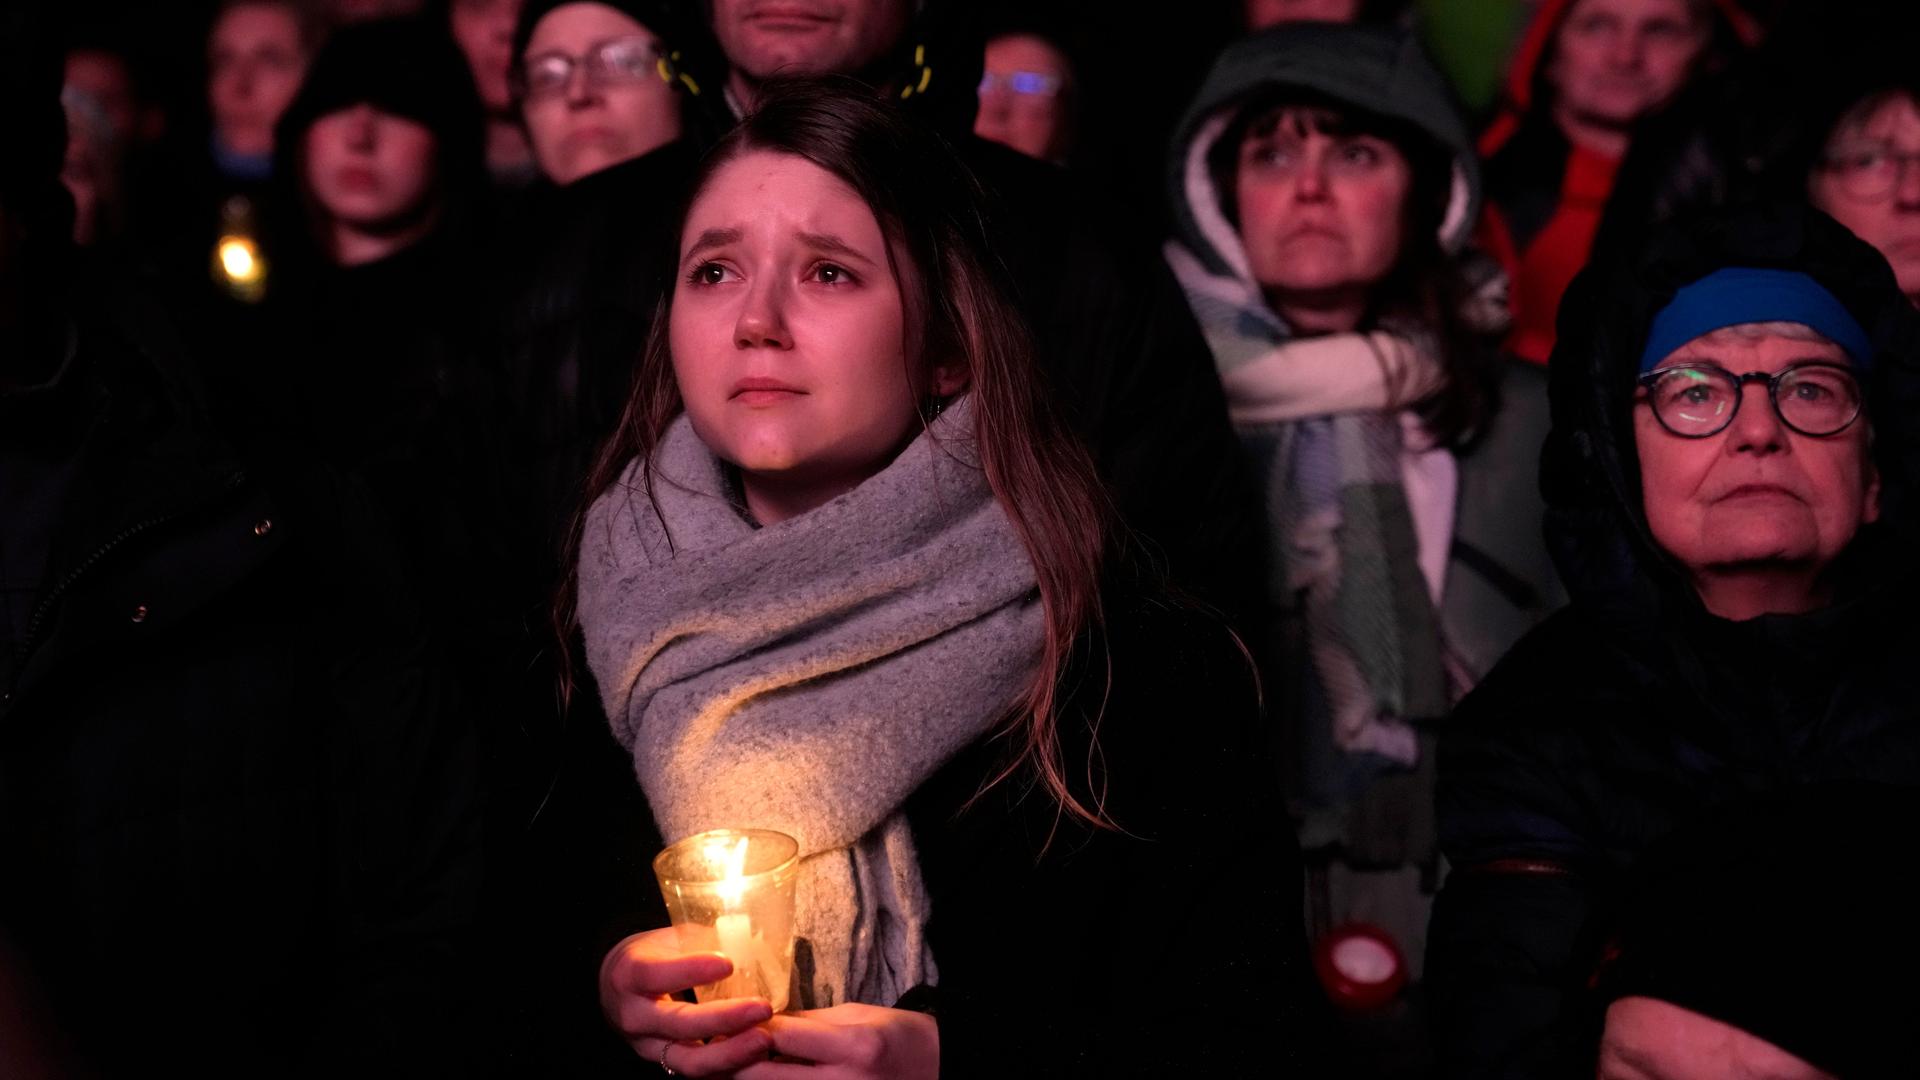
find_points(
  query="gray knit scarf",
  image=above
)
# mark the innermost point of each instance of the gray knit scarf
(810, 675)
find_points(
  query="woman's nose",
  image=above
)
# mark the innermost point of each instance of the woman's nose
(1756, 427)
(762, 322)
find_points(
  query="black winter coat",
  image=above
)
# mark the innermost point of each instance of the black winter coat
(1634, 710)
(236, 817)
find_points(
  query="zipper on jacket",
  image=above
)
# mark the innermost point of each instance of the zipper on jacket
(43, 609)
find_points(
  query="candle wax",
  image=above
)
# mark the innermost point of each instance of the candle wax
(736, 943)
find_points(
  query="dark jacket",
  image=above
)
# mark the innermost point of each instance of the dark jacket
(593, 261)
(1131, 372)
(229, 786)
(1634, 710)
(1174, 949)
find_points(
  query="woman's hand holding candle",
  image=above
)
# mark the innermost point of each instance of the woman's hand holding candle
(638, 979)
(851, 1042)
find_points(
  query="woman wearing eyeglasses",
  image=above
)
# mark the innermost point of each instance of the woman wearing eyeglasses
(1868, 176)
(614, 128)
(595, 84)
(1727, 484)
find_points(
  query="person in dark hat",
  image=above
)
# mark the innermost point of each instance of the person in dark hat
(1729, 486)
(1773, 939)
(369, 351)
(383, 141)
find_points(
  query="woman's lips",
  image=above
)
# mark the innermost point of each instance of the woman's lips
(764, 392)
(357, 178)
(1758, 491)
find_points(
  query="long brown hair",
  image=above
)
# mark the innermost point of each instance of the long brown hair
(931, 209)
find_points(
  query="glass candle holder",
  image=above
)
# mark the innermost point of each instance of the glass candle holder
(730, 891)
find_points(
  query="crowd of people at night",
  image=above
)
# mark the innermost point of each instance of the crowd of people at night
(1246, 538)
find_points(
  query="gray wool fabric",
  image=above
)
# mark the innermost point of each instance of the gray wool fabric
(810, 675)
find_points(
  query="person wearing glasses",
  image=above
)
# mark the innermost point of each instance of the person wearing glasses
(1026, 94)
(595, 84)
(1868, 176)
(1727, 485)
(605, 107)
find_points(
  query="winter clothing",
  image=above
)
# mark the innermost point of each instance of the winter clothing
(224, 752)
(1008, 883)
(1549, 195)
(1761, 130)
(598, 259)
(1363, 505)
(1741, 918)
(1738, 295)
(1634, 710)
(381, 369)
(1130, 372)
(1117, 344)
(808, 676)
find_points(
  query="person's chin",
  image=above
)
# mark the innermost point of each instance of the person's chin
(1755, 538)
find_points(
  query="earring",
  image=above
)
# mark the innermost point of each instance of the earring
(934, 407)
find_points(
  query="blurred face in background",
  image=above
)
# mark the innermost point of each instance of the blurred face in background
(1321, 207)
(1023, 96)
(256, 58)
(1264, 13)
(1869, 180)
(484, 31)
(104, 78)
(593, 95)
(1614, 61)
(762, 38)
(91, 169)
(371, 171)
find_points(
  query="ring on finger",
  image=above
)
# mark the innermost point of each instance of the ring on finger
(664, 1050)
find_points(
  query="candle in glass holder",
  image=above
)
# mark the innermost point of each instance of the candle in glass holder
(731, 891)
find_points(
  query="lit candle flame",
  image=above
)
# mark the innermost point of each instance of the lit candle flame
(730, 856)
(237, 259)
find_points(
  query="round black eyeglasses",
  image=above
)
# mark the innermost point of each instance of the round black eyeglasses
(1693, 401)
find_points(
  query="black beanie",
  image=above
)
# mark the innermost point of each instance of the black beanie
(1790, 918)
(407, 67)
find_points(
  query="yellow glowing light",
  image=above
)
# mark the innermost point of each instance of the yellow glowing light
(237, 258)
(733, 858)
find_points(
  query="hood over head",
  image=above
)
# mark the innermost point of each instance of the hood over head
(1526, 73)
(1590, 471)
(1374, 70)
(409, 67)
